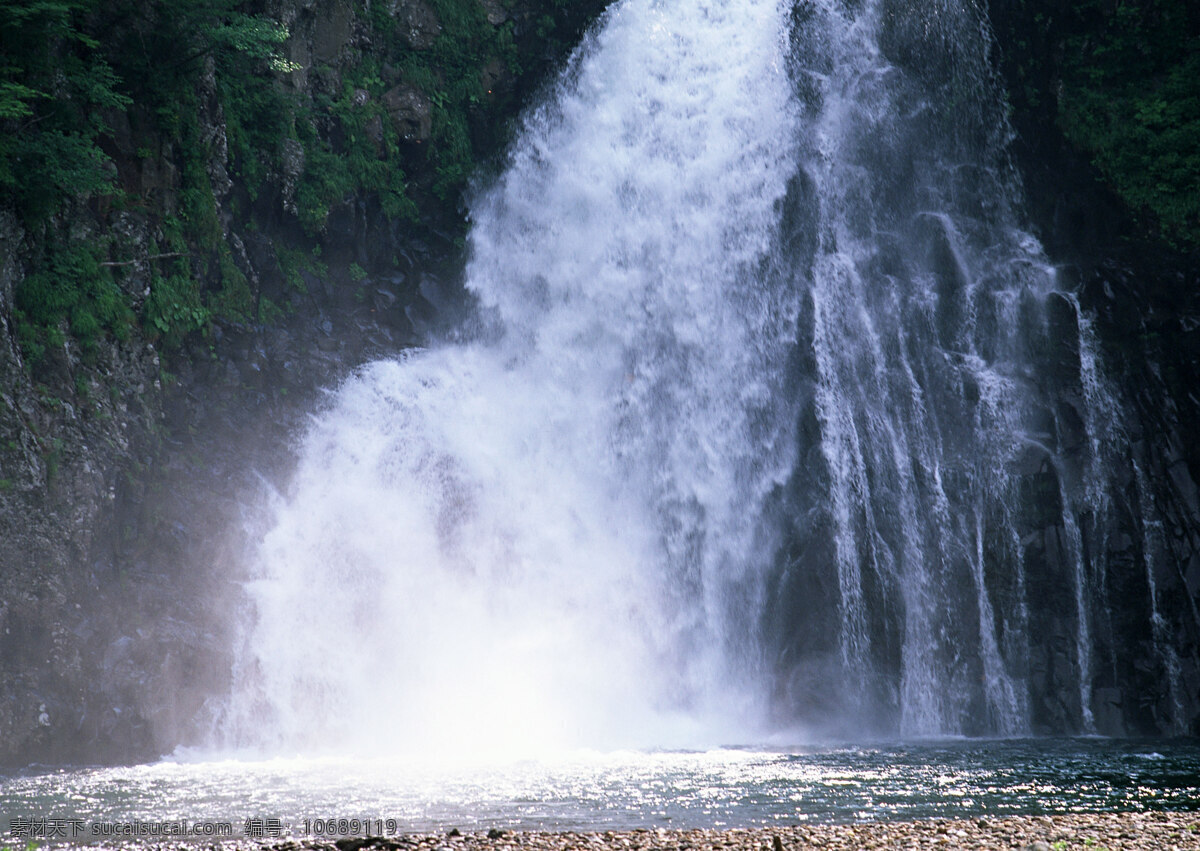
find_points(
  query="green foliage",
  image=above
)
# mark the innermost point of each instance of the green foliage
(199, 224)
(42, 170)
(326, 181)
(1131, 97)
(293, 262)
(180, 35)
(366, 160)
(32, 339)
(269, 312)
(69, 63)
(53, 458)
(450, 75)
(90, 85)
(55, 87)
(258, 116)
(70, 289)
(173, 309)
(233, 300)
(252, 37)
(197, 205)
(15, 98)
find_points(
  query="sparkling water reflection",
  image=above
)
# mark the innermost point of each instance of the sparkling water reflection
(732, 787)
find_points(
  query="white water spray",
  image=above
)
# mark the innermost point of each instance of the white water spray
(547, 538)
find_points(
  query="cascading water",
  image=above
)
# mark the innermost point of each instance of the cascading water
(765, 390)
(548, 536)
(921, 296)
(959, 440)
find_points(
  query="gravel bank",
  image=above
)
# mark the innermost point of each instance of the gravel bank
(1088, 832)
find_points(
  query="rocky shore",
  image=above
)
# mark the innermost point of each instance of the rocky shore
(1098, 831)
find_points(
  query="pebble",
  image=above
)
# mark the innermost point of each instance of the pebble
(1074, 832)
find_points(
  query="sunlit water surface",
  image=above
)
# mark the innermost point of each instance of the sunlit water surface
(732, 787)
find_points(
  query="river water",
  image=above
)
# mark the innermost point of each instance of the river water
(591, 791)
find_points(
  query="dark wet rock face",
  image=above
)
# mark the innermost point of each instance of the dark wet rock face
(1141, 295)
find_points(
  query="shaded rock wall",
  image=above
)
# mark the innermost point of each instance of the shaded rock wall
(65, 443)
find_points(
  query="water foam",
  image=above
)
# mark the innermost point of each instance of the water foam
(542, 538)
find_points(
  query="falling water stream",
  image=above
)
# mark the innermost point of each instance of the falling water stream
(765, 395)
(551, 534)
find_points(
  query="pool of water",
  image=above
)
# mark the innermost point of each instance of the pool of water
(728, 787)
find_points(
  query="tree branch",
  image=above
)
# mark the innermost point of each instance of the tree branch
(151, 257)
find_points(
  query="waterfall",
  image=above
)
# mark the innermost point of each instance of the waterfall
(769, 415)
(956, 428)
(550, 534)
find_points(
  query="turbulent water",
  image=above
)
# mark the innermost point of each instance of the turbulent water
(765, 406)
(548, 536)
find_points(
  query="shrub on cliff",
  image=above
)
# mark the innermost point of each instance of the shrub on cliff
(1131, 97)
(151, 106)
(55, 86)
(1120, 79)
